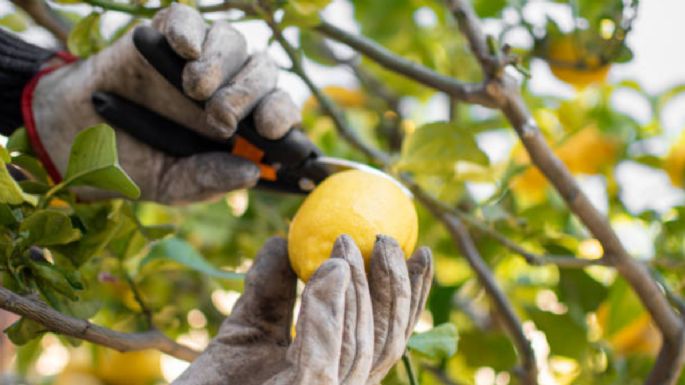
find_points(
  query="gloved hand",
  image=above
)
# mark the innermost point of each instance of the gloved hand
(219, 72)
(351, 329)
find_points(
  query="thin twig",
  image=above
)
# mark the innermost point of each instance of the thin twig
(473, 93)
(406, 360)
(57, 322)
(512, 323)
(326, 104)
(562, 261)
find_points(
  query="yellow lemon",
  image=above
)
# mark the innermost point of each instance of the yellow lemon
(69, 377)
(674, 164)
(346, 97)
(357, 203)
(573, 64)
(132, 368)
(638, 336)
(588, 151)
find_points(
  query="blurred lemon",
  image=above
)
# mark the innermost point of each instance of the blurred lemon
(588, 151)
(345, 97)
(573, 64)
(131, 368)
(674, 164)
(638, 336)
(73, 377)
(357, 203)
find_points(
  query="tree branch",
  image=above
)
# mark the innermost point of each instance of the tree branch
(504, 91)
(57, 322)
(46, 17)
(472, 93)
(454, 226)
(466, 246)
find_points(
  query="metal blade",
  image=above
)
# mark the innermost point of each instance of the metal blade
(338, 165)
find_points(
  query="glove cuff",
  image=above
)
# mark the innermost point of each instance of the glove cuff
(29, 121)
(19, 62)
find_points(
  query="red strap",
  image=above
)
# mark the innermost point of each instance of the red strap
(30, 123)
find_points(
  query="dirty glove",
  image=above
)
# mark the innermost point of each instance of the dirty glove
(218, 72)
(351, 329)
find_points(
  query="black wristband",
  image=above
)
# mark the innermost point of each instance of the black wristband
(19, 62)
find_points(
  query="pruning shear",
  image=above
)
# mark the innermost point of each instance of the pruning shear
(289, 164)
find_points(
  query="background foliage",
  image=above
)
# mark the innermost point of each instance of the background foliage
(130, 265)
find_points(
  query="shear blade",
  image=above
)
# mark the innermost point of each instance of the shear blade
(337, 165)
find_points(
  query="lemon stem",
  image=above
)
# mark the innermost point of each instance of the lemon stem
(406, 360)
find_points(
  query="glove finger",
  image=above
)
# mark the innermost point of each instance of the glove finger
(185, 31)
(159, 20)
(223, 53)
(356, 356)
(230, 104)
(276, 114)
(391, 297)
(268, 298)
(420, 267)
(315, 354)
(205, 175)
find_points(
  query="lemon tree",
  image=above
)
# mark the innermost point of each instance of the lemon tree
(130, 266)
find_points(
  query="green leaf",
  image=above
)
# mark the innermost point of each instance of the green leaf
(436, 148)
(50, 276)
(440, 302)
(27, 356)
(48, 228)
(85, 38)
(624, 55)
(10, 192)
(7, 216)
(24, 330)
(102, 223)
(489, 8)
(19, 142)
(577, 287)
(14, 22)
(6, 248)
(491, 349)
(437, 343)
(314, 46)
(565, 335)
(303, 13)
(307, 7)
(4, 155)
(32, 166)
(93, 162)
(157, 232)
(179, 251)
(625, 307)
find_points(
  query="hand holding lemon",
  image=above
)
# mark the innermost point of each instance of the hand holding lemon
(350, 241)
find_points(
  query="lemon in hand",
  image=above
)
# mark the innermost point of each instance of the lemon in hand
(357, 203)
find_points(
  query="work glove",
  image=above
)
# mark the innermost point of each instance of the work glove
(351, 328)
(221, 85)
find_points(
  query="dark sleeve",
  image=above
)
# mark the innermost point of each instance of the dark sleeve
(19, 62)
